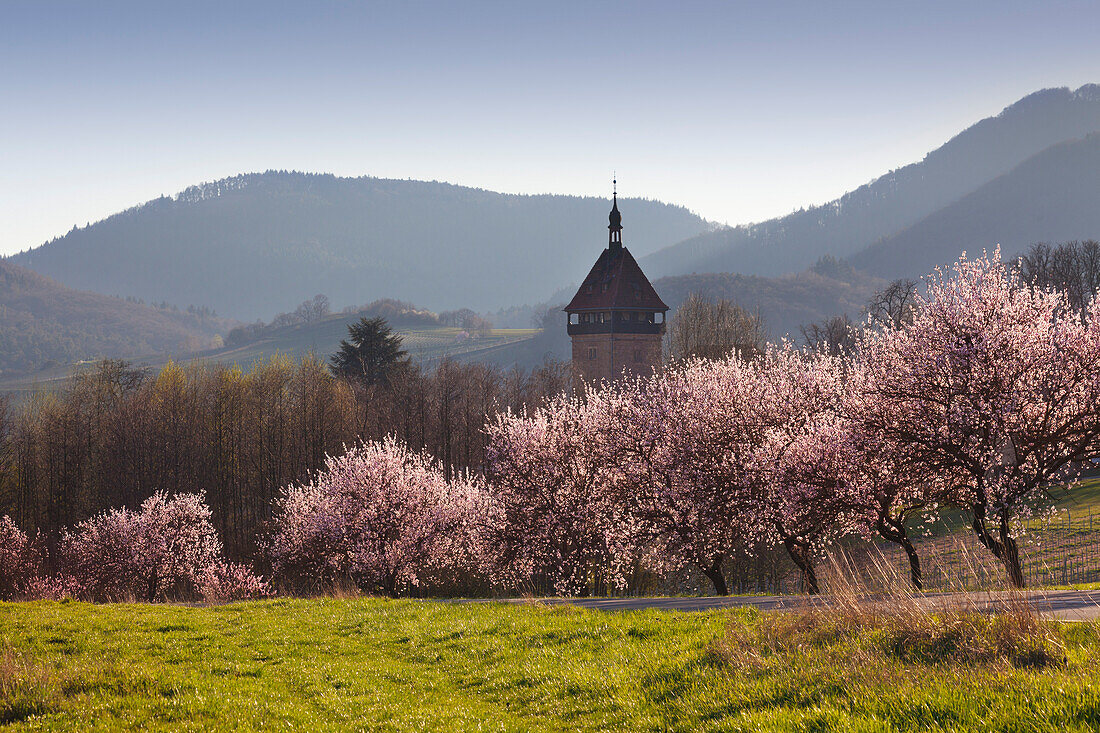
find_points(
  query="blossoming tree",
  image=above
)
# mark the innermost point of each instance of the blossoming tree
(167, 549)
(889, 487)
(993, 385)
(380, 516)
(560, 514)
(799, 493)
(20, 560)
(680, 443)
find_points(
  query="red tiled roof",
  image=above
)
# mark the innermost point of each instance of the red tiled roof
(616, 281)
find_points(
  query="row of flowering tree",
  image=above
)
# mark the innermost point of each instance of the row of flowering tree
(986, 396)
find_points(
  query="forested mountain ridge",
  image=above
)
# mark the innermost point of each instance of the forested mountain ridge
(894, 201)
(42, 321)
(1053, 196)
(250, 245)
(830, 288)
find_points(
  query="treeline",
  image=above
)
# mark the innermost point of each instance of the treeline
(115, 435)
(397, 313)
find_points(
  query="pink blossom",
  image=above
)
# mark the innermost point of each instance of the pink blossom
(379, 516)
(994, 386)
(559, 518)
(167, 549)
(20, 560)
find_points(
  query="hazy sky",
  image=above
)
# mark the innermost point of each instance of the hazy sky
(739, 111)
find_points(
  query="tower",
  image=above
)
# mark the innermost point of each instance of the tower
(616, 319)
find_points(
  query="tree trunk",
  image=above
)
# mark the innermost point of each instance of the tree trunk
(714, 572)
(896, 533)
(152, 587)
(801, 557)
(1003, 547)
(914, 564)
(389, 585)
(1011, 557)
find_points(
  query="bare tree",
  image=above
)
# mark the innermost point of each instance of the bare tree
(835, 336)
(1070, 267)
(712, 329)
(6, 420)
(477, 325)
(892, 307)
(313, 310)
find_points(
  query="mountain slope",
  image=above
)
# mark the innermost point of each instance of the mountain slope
(1053, 196)
(785, 302)
(257, 244)
(894, 201)
(42, 321)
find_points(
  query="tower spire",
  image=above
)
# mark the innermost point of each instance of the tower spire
(615, 219)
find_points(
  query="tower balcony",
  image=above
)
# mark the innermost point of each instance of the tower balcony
(613, 327)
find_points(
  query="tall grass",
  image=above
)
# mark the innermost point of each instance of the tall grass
(26, 688)
(871, 609)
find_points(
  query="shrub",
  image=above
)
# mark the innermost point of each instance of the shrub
(20, 560)
(223, 581)
(168, 549)
(380, 516)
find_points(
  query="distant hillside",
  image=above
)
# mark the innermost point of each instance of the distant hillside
(896, 200)
(425, 341)
(787, 302)
(427, 336)
(42, 321)
(252, 245)
(1053, 196)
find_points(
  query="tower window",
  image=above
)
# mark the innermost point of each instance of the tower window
(638, 357)
(592, 353)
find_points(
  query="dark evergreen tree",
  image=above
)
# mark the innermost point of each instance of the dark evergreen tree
(370, 353)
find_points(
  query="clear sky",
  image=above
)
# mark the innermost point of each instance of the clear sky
(739, 111)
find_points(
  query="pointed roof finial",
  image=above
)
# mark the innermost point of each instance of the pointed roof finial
(615, 219)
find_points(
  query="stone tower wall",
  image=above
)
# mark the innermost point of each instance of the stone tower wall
(608, 356)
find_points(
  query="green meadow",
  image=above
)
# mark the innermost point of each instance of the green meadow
(369, 664)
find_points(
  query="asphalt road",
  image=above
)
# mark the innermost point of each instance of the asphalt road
(1069, 605)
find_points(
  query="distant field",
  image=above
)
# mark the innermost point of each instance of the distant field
(408, 665)
(323, 338)
(425, 344)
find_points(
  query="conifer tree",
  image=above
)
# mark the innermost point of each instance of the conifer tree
(370, 353)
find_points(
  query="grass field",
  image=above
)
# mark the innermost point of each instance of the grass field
(366, 664)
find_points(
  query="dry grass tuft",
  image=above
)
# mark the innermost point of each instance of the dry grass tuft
(878, 616)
